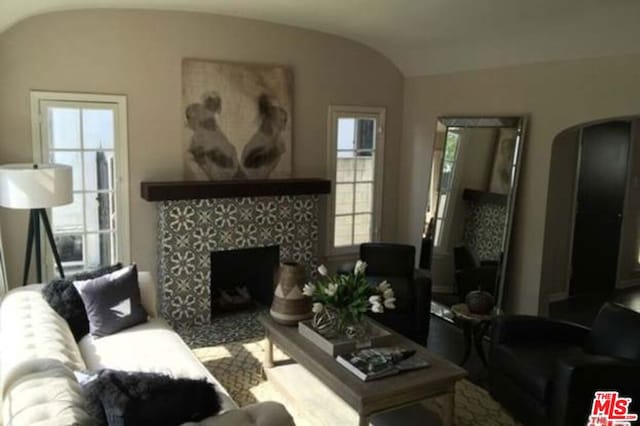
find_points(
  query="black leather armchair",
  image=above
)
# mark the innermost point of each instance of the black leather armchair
(472, 274)
(412, 287)
(545, 372)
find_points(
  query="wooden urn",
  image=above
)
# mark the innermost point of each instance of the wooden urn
(289, 304)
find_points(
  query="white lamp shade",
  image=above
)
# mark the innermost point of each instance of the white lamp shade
(29, 186)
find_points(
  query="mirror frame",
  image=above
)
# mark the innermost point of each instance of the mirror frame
(510, 121)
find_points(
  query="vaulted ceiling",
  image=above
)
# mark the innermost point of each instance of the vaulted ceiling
(421, 36)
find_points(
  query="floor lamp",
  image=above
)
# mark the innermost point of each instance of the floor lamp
(36, 187)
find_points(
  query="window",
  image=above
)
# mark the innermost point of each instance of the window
(88, 133)
(356, 142)
(446, 180)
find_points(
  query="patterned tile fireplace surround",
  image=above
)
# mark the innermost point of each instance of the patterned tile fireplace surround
(189, 230)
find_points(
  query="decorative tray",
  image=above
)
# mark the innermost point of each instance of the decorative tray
(376, 336)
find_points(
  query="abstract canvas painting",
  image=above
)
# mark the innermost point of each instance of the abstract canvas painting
(501, 174)
(237, 120)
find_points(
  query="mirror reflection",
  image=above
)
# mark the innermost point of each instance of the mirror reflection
(469, 206)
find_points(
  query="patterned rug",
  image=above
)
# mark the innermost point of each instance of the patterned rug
(238, 367)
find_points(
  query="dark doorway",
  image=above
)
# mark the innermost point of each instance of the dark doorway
(602, 180)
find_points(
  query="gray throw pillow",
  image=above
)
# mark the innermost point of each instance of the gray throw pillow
(112, 301)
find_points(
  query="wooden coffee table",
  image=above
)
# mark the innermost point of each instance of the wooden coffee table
(368, 398)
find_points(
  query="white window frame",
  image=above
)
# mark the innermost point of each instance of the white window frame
(439, 234)
(365, 112)
(120, 150)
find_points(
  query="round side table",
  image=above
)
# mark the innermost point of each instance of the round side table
(475, 327)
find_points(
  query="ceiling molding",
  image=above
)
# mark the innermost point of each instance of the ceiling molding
(422, 37)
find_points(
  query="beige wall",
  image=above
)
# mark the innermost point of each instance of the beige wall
(555, 96)
(558, 239)
(139, 54)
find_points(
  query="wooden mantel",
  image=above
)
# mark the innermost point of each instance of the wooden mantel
(195, 190)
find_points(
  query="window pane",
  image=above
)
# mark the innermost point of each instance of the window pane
(442, 205)
(346, 133)
(346, 154)
(344, 229)
(97, 128)
(345, 169)
(98, 211)
(70, 248)
(365, 136)
(68, 218)
(73, 159)
(438, 232)
(364, 168)
(344, 198)
(362, 229)
(64, 125)
(364, 197)
(97, 170)
(99, 250)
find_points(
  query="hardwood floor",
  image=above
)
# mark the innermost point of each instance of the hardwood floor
(447, 340)
(583, 309)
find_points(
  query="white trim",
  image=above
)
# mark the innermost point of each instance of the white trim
(4, 280)
(631, 282)
(120, 150)
(352, 111)
(557, 297)
(625, 221)
(443, 289)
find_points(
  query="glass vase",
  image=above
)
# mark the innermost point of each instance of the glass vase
(333, 323)
(352, 328)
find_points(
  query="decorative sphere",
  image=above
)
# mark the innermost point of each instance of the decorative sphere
(480, 302)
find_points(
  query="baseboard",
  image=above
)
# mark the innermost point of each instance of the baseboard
(557, 297)
(442, 289)
(631, 282)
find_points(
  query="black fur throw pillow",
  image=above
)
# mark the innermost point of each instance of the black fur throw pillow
(63, 297)
(120, 398)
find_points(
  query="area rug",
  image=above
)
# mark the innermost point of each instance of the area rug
(238, 367)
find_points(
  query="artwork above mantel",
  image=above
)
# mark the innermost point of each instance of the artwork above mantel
(194, 190)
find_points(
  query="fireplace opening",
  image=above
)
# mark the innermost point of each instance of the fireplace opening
(242, 278)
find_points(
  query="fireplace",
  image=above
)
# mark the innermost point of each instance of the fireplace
(191, 230)
(242, 278)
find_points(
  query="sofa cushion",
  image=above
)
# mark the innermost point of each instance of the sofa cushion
(63, 297)
(32, 330)
(132, 398)
(44, 392)
(624, 343)
(149, 347)
(267, 413)
(112, 301)
(95, 273)
(531, 366)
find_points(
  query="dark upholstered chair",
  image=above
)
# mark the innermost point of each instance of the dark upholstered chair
(545, 372)
(412, 288)
(472, 274)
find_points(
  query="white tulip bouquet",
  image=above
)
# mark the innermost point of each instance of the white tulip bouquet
(350, 296)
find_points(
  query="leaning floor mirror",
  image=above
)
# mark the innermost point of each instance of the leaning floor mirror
(470, 205)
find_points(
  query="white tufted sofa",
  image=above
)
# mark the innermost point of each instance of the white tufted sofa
(38, 357)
